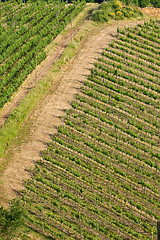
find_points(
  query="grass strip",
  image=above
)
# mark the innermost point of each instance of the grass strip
(21, 113)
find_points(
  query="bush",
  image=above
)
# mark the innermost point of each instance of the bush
(99, 16)
(115, 10)
(131, 2)
(112, 15)
(11, 219)
(117, 5)
(119, 14)
(104, 6)
(156, 3)
(143, 3)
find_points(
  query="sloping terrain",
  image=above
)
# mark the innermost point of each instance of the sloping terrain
(99, 176)
(26, 29)
(45, 118)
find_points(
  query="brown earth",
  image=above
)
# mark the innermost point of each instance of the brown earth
(53, 55)
(153, 12)
(48, 114)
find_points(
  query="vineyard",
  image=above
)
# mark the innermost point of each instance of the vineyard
(99, 177)
(25, 30)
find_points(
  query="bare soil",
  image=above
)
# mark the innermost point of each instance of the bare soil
(48, 114)
(150, 11)
(52, 56)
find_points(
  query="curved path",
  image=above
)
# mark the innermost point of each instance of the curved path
(47, 116)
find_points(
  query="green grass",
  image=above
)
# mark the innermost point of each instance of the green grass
(31, 35)
(16, 119)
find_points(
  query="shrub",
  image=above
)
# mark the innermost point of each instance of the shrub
(112, 15)
(143, 3)
(119, 14)
(156, 3)
(114, 10)
(11, 219)
(117, 5)
(105, 6)
(131, 2)
(99, 16)
(131, 13)
(128, 11)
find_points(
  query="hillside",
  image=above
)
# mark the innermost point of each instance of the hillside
(98, 126)
(26, 29)
(99, 177)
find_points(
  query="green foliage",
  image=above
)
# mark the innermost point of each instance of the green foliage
(23, 39)
(131, 2)
(99, 16)
(156, 3)
(143, 3)
(11, 219)
(117, 5)
(102, 166)
(114, 10)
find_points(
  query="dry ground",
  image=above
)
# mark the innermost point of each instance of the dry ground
(152, 12)
(54, 51)
(47, 116)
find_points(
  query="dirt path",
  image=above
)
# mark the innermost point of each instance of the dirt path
(47, 116)
(52, 56)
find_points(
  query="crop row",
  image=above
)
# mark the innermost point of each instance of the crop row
(99, 175)
(23, 46)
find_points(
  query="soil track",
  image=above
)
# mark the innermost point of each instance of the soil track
(37, 74)
(150, 11)
(47, 116)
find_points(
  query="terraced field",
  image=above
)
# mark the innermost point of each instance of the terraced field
(100, 174)
(26, 29)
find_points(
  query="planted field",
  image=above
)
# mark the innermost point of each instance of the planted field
(100, 175)
(26, 29)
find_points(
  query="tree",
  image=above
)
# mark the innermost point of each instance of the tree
(11, 219)
(143, 3)
(156, 3)
(131, 2)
